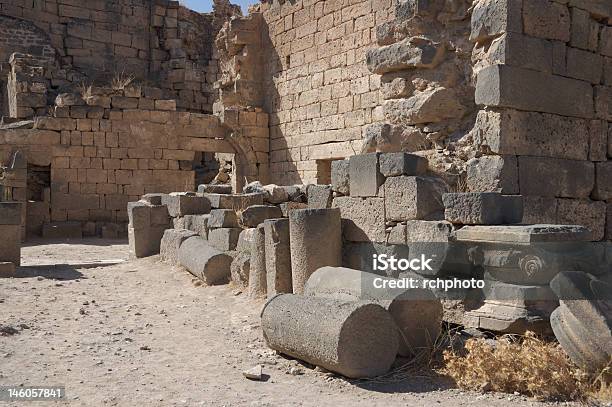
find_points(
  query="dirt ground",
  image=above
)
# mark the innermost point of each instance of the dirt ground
(140, 332)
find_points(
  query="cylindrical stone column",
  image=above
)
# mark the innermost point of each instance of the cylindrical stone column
(278, 256)
(416, 311)
(316, 241)
(204, 261)
(257, 271)
(355, 339)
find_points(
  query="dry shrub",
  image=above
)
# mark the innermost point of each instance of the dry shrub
(527, 365)
(85, 90)
(121, 80)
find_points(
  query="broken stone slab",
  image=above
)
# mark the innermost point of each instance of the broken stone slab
(10, 213)
(275, 194)
(287, 207)
(524, 233)
(153, 199)
(254, 373)
(257, 271)
(491, 18)
(507, 318)
(431, 105)
(363, 219)
(181, 204)
(235, 202)
(256, 214)
(417, 312)
(171, 242)
(7, 269)
(278, 257)
(204, 261)
(215, 189)
(197, 224)
(394, 164)
(240, 269)
(315, 240)
(244, 240)
(223, 218)
(493, 173)
(62, 230)
(364, 175)
(224, 239)
(411, 53)
(340, 177)
(410, 198)
(353, 339)
(320, 196)
(583, 322)
(482, 208)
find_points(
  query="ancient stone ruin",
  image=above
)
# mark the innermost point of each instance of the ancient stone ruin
(284, 150)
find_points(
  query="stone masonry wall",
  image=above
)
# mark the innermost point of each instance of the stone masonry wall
(319, 92)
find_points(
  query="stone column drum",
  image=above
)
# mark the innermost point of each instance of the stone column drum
(355, 339)
(316, 241)
(278, 256)
(257, 272)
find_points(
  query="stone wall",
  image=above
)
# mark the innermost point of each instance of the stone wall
(318, 90)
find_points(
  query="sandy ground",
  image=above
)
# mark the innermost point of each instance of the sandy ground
(142, 333)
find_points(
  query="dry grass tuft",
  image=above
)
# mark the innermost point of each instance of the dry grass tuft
(527, 365)
(85, 90)
(121, 80)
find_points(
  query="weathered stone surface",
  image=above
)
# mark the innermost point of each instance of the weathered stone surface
(257, 271)
(145, 242)
(278, 257)
(512, 132)
(308, 228)
(320, 196)
(429, 231)
(256, 214)
(414, 52)
(363, 219)
(538, 209)
(583, 212)
(556, 177)
(582, 321)
(386, 138)
(244, 240)
(224, 239)
(394, 164)
(524, 234)
(603, 181)
(223, 218)
(171, 242)
(359, 255)
(546, 19)
(215, 189)
(364, 174)
(275, 194)
(427, 106)
(417, 312)
(487, 208)
(203, 261)
(493, 173)
(409, 198)
(584, 65)
(351, 338)
(520, 51)
(236, 201)
(240, 269)
(490, 18)
(197, 224)
(10, 213)
(287, 207)
(7, 269)
(62, 230)
(139, 214)
(340, 177)
(523, 89)
(10, 244)
(180, 204)
(153, 199)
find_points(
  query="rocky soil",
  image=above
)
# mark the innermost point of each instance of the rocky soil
(142, 333)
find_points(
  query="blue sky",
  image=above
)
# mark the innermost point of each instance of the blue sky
(205, 6)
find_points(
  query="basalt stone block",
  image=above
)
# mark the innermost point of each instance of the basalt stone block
(340, 177)
(364, 174)
(256, 214)
(411, 53)
(224, 239)
(240, 269)
(320, 196)
(354, 339)
(197, 224)
(204, 261)
(360, 255)
(603, 181)
(409, 198)
(493, 173)
(215, 189)
(363, 219)
(417, 312)
(171, 242)
(490, 18)
(278, 257)
(145, 242)
(159, 215)
(10, 213)
(257, 271)
(223, 218)
(486, 208)
(524, 234)
(585, 212)
(287, 207)
(153, 199)
(236, 201)
(10, 244)
(139, 214)
(394, 164)
(181, 204)
(244, 240)
(308, 229)
(563, 178)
